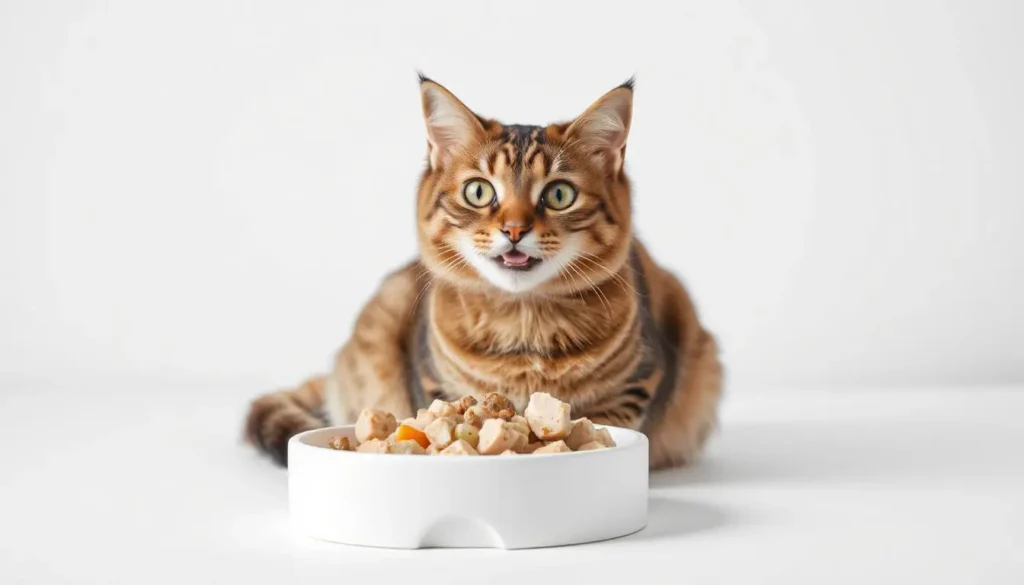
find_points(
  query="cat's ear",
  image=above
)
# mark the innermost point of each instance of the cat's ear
(450, 124)
(604, 127)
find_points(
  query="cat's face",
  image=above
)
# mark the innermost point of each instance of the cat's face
(525, 208)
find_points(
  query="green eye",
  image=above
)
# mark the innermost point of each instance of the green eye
(478, 193)
(559, 195)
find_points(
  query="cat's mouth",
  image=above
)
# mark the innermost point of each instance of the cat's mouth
(516, 260)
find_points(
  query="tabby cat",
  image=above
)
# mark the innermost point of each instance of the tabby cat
(529, 279)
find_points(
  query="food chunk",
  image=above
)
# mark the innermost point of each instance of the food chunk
(440, 408)
(530, 448)
(509, 452)
(459, 447)
(423, 418)
(520, 424)
(499, 406)
(476, 415)
(591, 446)
(373, 446)
(604, 437)
(340, 443)
(555, 447)
(521, 441)
(463, 403)
(467, 433)
(496, 436)
(407, 433)
(406, 448)
(374, 424)
(440, 432)
(548, 416)
(583, 431)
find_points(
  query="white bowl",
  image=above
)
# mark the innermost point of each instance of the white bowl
(501, 501)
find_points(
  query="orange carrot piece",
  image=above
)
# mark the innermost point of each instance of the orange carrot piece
(407, 433)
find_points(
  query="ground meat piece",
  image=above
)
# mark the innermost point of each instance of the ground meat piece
(463, 403)
(340, 443)
(556, 447)
(374, 424)
(476, 415)
(499, 406)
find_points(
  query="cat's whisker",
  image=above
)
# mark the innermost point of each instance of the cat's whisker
(613, 275)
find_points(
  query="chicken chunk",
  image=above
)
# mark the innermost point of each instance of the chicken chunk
(405, 447)
(423, 418)
(591, 446)
(373, 446)
(548, 416)
(440, 432)
(509, 452)
(520, 424)
(496, 436)
(556, 447)
(459, 447)
(583, 431)
(374, 424)
(604, 437)
(440, 408)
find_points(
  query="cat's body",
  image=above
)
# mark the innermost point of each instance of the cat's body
(529, 280)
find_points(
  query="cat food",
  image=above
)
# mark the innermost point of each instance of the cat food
(465, 427)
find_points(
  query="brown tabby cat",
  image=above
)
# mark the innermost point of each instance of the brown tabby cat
(529, 279)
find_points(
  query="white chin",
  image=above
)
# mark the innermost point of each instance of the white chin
(515, 281)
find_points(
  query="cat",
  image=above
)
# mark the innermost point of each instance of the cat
(529, 279)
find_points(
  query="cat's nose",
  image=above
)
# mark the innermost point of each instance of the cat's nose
(515, 231)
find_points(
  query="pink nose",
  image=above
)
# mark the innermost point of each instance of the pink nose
(515, 232)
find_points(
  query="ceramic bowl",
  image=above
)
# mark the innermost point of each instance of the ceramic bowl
(510, 501)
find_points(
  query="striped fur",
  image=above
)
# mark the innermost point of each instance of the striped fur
(596, 322)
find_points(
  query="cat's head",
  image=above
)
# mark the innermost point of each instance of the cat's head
(525, 208)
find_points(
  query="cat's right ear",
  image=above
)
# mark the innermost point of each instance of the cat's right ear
(450, 124)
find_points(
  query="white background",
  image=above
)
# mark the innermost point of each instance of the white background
(212, 190)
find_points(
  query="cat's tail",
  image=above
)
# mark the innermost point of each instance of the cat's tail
(274, 418)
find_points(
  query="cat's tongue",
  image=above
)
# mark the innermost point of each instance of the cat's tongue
(515, 258)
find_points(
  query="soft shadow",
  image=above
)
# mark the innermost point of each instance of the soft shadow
(668, 518)
(858, 451)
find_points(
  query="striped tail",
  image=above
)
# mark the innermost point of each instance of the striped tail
(275, 418)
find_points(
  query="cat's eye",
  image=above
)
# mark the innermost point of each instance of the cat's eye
(478, 193)
(559, 195)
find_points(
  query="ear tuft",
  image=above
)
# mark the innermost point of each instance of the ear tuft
(450, 124)
(604, 127)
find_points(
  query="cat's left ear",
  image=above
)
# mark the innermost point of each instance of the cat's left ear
(450, 124)
(604, 127)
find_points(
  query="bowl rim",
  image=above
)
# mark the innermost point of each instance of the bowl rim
(634, 440)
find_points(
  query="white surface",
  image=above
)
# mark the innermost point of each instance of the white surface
(505, 502)
(209, 187)
(108, 482)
